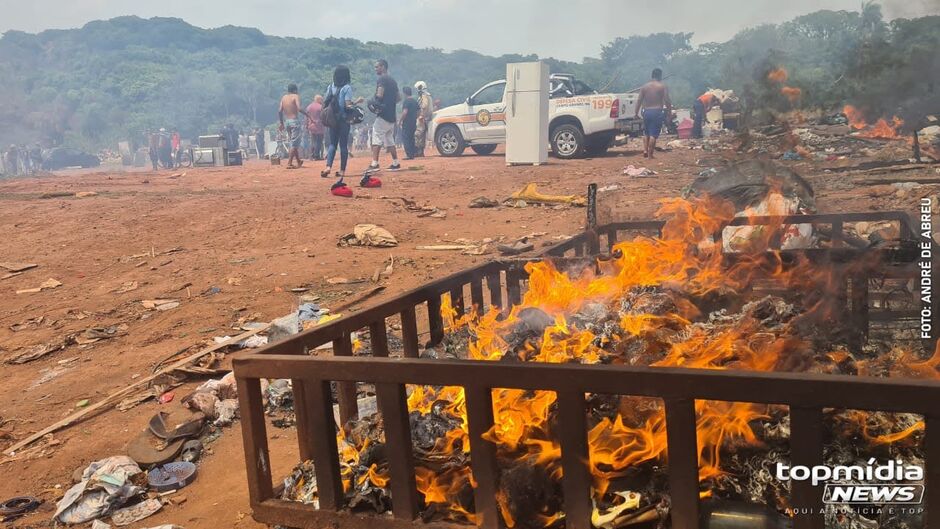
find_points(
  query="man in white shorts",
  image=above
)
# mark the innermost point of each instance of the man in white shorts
(383, 129)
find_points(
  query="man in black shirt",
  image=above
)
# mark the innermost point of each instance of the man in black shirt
(409, 122)
(383, 129)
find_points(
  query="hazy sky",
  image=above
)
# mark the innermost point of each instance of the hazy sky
(565, 29)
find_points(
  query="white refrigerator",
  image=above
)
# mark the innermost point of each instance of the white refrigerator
(527, 113)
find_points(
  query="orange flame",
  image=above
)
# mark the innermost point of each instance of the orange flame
(881, 129)
(778, 75)
(522, 427)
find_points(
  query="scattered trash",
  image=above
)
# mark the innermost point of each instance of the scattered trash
(84, 194)
(611, 187)
(160, 304)
(368, 235)
(105, 486)
(192, 450)
(516, 248)
(253, 342)
(136, 513)
(98, 524)
(38, 351)
(344, 281)
(483, 202)
(529, 193)
(635, 172)
(180, 424)
(791, 156)
(16, 507)
(446, 247)
(17, 267)
(226, 412)
(384, 272)
(17, 327)
(126, 287)
(148, 450)
(96, 334)
(172, 476)
(166, 398)
(82, 403)
(46, 285)
(433, 213)
(611, 519)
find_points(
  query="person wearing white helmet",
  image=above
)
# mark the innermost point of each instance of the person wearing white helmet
(425, 114)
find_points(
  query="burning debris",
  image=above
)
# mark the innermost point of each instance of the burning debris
(662, 302)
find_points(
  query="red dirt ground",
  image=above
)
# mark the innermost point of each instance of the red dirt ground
(255, 232)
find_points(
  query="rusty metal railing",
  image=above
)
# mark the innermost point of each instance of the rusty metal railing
(805, 394)
(500, 284)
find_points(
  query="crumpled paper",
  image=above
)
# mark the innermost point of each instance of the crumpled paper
(105, 486)
(369, 235)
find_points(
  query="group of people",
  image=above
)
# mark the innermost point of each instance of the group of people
(328, 120)
(20, 160)
(164, 148)
(654, 106)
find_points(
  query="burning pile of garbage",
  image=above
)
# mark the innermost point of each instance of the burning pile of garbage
(667, 301)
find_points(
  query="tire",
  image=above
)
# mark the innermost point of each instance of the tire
(484, 149)
(567, 142)
(449, 141)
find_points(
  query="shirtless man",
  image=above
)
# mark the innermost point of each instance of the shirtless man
(655, 105)
(287, 113)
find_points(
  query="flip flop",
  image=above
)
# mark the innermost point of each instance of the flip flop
(177, 425)
(147, 450)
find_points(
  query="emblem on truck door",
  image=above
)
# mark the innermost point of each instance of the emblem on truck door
(483, 117)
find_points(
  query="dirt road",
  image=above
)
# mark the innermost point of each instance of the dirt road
(229, 244)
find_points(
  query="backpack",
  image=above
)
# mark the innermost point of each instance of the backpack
(330, 115)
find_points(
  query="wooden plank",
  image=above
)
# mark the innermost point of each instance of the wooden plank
(483, 456)
(255, 440)
(398, 446)
(496, 291)
(325, 453)
(576, 481)
(513, 287)
(435, 322)
(806, 448)
(682, 448)
(306, 436)
(346, 391)
(409, 332)
(476, 296)
(800, 389)
(457, 301)
(75, 417)
(378, 338)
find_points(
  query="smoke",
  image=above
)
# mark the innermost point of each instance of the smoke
(910, 8)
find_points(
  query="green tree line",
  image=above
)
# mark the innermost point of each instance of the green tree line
(115, 79)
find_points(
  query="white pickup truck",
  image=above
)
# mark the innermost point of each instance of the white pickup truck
(581, 121)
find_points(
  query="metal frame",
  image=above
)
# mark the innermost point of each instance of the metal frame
(500, 284)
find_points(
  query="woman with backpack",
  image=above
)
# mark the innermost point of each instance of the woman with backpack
(335, 117)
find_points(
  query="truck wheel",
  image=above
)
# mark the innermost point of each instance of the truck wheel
(484, 149)
(598, 144)
(449, 142)
(567, 142)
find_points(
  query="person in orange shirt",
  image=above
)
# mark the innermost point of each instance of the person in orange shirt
(700, 107)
